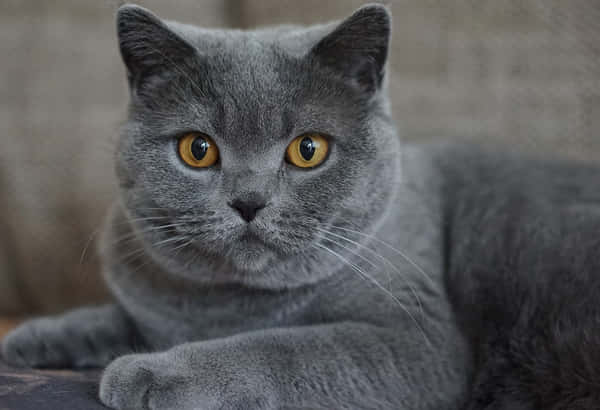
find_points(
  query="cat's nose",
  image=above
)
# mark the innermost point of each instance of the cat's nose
(248, 208)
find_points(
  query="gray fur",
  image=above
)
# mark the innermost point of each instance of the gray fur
(295, 309)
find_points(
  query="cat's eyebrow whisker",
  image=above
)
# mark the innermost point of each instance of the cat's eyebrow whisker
(377, 255)
(387, 245)
(364, 275)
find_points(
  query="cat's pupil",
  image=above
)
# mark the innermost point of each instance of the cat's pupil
(199, 148)
(307, 148)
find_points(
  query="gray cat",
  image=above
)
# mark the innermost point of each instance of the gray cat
(273, 246)
(251, 279)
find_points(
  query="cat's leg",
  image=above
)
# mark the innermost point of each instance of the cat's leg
(342, 366)
(86, 337)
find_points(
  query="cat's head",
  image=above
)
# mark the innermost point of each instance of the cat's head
(242, 148)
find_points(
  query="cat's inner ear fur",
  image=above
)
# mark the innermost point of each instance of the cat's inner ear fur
(357, 48)
(148, 46)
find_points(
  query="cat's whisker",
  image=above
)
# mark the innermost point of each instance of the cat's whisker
(141, 249)
(96, 231)
(364, 275)
(392, 248)
(134, 269)
(88, 243)
(142, 219)
(378, 256)
(143, 208)
(145, 218)
(178, 248)
(355, 253)
(399, 252)
(148, 229)
(130, 236)
(82, 271)
(147, 260)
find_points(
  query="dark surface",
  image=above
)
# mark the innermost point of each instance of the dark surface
(26, 389)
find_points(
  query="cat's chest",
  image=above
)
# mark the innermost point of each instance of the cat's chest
(225, 313)
(171, 313)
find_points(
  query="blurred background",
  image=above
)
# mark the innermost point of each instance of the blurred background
(524, 73)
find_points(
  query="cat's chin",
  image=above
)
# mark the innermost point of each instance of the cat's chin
(250, 257)
(251, 263)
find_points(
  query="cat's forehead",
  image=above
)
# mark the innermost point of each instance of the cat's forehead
(256, 78)
(292, 39)
(258, 83)
(247, 65)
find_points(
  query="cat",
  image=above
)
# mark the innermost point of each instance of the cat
(234, 279)
(274, 246)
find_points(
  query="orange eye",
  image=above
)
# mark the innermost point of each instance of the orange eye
(307, 151)
(198, 150)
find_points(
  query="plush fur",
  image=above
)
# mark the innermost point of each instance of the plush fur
(523, 257)
(385, 278)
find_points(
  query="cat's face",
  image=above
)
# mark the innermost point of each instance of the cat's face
(252, 215)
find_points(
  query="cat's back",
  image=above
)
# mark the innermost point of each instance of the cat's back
(522, 261)
(513, 222)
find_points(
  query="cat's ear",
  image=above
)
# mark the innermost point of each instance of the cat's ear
(358, 47)
(148, 46)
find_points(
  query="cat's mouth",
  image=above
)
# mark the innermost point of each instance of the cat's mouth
(281, 243)
(250, 237)
(248, 247)
(254, 246)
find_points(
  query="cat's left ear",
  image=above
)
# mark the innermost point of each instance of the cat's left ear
(358, 47)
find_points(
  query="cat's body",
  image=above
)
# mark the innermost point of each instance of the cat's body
(334, 294)
(523, 271)
(404, 296)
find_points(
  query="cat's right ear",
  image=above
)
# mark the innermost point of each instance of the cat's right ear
(357, 48)
(148, 46)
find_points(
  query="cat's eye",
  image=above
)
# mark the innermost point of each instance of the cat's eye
(198, 150)
(308, 150)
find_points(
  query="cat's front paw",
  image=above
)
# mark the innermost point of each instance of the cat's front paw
(36, 343)
(167, 381)
(56, 343)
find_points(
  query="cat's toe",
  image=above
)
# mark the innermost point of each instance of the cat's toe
(22, 348)
(125, 383)
(11, 351)
(148, 381)
(30, 346)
